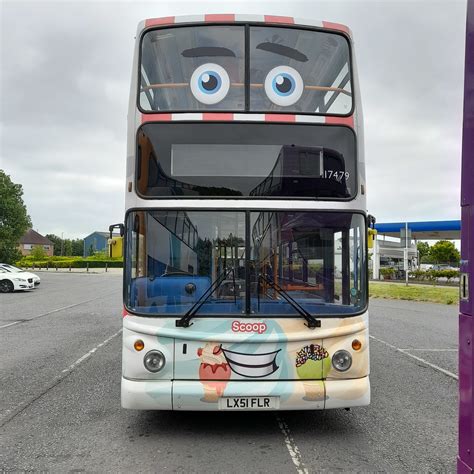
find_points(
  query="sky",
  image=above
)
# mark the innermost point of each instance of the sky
(65, 70)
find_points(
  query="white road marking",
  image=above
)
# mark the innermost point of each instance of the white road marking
(88, 354)
(9, 414)
(10, 324)
(419, 359)
(430, 350)
(58, 310)
(291, 446)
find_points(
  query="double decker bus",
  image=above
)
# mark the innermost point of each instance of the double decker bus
(245, 280)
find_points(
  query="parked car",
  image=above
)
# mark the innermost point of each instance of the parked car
(443, 266)
(14, 281)
(28, 275)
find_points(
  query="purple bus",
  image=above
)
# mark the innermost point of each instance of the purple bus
(466, 325)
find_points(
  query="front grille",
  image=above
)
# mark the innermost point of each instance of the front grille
(30, 280)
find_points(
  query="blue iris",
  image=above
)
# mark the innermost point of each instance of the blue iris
(209, 82)
(283, 84)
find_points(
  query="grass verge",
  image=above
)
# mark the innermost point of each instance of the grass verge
(397, 291)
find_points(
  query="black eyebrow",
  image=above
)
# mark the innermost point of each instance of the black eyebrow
(210, 51)
(283, 50)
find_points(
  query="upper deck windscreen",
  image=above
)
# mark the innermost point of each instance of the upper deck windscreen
(205, 68)
(299, 71)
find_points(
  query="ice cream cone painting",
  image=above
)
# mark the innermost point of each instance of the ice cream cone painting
(312, 365)
(214, 371)
(314, 390)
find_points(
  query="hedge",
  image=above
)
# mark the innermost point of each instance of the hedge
(71, 263)
(434, 275)
(423, 275)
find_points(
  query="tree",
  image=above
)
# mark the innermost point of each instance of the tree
(57, 243)
(38, 253)
(77, 247)
(424, 249)
(70, 247)
(445, 251)
(67, 247)
(14, 218)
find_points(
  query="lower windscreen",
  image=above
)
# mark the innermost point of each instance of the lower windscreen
(247, 160)
(224, 263)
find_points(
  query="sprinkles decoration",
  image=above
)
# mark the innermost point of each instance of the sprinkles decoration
(312, 352)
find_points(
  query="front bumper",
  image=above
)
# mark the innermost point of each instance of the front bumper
(203, 396)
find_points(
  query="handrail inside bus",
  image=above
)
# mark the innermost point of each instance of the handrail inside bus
(180, 85)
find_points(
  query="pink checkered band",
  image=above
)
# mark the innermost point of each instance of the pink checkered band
(233, 117)
(231, 18)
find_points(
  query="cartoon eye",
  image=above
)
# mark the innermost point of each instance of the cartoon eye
(210, 83)
(283, 85)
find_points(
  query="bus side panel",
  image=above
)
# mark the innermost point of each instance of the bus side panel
(465, 388)
(466, 402)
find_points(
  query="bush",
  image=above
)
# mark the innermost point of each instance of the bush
(38, 253)
(418, 274)
(387, 272)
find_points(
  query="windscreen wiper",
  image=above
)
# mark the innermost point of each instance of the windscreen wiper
(184, 321)
(311, 320)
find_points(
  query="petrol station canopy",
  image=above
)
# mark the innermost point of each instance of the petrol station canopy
(427, 230)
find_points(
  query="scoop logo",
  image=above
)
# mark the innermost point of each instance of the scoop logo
(259, 328)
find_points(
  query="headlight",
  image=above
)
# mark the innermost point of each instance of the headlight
(154, 361)
(342, 360)
(19, 279)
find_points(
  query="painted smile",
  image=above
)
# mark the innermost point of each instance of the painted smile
(252, 365)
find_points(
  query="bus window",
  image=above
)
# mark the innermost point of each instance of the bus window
(246, 160)
(317, 258)
(314, 257)
(299, 71)
(192, 68)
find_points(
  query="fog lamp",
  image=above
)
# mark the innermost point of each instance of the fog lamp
(154, 361)
(342, 360)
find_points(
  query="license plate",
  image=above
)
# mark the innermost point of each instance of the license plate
(249, 403)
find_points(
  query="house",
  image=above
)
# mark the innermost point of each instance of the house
(33, 239)
(97, 242)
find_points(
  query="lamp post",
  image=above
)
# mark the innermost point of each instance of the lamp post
(405, 256)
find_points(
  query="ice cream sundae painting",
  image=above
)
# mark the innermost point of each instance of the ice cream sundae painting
(214, 371)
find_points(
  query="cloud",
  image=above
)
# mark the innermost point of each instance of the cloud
(65, 72)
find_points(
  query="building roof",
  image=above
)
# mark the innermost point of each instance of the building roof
(427, 230)
(103, 234)
(33, 237)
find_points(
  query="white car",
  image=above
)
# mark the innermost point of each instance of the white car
(12, 281)
(28, 275)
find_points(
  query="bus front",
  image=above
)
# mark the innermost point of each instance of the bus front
(245, 281)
